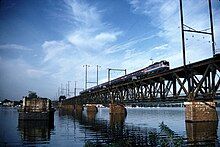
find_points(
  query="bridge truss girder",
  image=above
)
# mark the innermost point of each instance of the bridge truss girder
(197, 81)
(193, 85)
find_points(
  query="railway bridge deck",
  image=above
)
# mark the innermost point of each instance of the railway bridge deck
(196, 82)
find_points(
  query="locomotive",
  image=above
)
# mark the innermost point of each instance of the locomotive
(151, 69)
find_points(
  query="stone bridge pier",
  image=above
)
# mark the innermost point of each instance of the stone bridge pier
(72, 107)
(91, 108)
(197, 111)
(117, 109)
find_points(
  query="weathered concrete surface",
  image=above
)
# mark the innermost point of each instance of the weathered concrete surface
(36, 109)
(117, 119)
(67, 107)
(92, 108)
(117, 109)
(200, 111)
(198, 132)
(72, 107)
(36, 104)
(91, 116)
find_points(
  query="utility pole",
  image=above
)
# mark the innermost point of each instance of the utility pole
(182, 32)
(98, 74)
(211, 24)
(86, 66)
(65, 89)
(61, 90)
(75, 89)
(192, 30)
(109, 70)
(58, 91)
(68, 89)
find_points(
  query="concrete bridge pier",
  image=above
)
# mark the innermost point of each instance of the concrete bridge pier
(73, 107)
(117, 109)
(78, 108)
(91, 108)
(200, 111)
(91, 112)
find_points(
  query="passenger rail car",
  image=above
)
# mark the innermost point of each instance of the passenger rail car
(154, 68)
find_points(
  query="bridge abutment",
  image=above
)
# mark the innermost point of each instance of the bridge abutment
(117, 109)
(200, 111)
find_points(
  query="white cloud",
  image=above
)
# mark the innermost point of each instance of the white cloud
(92, 41)
(127, 44)
(14, 47)
(35, 73)
(84, 14)
(82, 45)
(53, 49)
(106, 37)
(161, 47)
(20, 76)
(91, 33)
(165, 17)
(145, 7)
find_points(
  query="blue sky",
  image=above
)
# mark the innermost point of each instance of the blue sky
(44, 43)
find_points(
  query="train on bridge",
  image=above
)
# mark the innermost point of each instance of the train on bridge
(157, 67)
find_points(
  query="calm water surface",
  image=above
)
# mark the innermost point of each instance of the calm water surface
(140, 127)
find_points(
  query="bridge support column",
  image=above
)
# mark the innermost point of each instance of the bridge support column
(67, 107)
(72, 107)
(200, 111)
(91, 108)
(117, 119)
(78, 108)
(117, 109)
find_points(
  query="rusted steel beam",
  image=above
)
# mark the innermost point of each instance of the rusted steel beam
(201, 81)
(196, 83)
(181, 84)
(168, 87)
(158, 86)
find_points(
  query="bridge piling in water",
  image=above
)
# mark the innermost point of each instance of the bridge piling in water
(197, 84)
(72, 107)
(200, 111)
(117, 109)
(91, 108)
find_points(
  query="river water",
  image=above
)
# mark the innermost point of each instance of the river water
(141, 127)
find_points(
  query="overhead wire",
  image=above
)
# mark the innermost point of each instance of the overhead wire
(161, 22)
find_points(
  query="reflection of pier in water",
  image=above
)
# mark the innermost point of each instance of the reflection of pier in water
(202, 133)
(35, 131)
(115, 132)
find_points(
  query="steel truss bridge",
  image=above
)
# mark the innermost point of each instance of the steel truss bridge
(196, 81)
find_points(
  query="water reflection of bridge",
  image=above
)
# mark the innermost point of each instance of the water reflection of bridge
(110, 132)
(116, 132)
